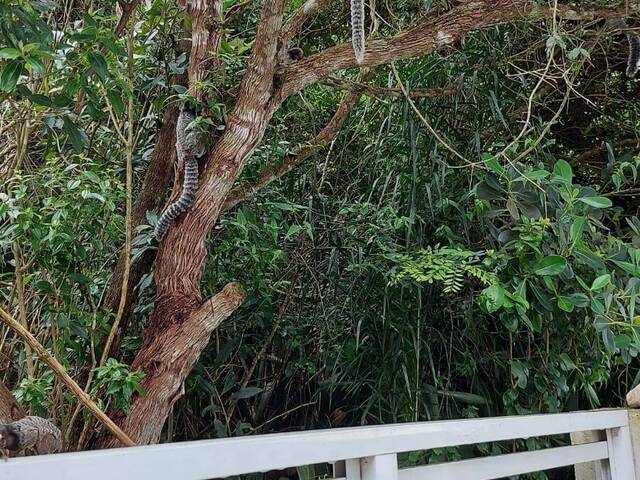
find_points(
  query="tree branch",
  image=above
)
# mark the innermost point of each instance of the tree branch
(256, 84)
(206, 36)
(373, 91)
(168, 358)
(300, 153)
(127, 10)
(64, 377)
(426, 36)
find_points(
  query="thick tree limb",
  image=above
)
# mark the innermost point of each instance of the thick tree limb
(258, 79)
(206, 36)
(177, 332)
(168, 358)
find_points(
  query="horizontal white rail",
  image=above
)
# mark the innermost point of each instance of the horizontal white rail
(226, 457)
(501, 466)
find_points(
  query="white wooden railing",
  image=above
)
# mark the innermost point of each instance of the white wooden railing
(360, 453)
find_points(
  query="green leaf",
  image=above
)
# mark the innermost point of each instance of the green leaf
(521, 372)
(566, 362)
(609, 340)
(464, 397)
(565, 304)
(628, 267)
(36, 65)
(579, 300)
(576, 229)
(536, 175)
(76, 136)
(98, 63)
(578, 52)
(492, 298)
(79, 278)
(9, 53)
(551, 265)
(246, 392)
(492, 163)
(596, 202)
(10, 75)
(601, 282)
(562, 169)
(115, 100)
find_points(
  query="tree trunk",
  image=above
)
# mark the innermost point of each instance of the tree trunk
(168, 359)
(10, 409)
(151, 197)
(180, 326)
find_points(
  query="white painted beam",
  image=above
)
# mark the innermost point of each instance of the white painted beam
(380, 467)
(500, 466)
(621, 461)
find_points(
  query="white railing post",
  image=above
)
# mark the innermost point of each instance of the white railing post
(352, 469)
(621, 454)
(380, 467)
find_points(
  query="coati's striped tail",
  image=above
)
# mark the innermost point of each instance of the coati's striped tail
(187, 146)
(357, 29)
(633, 65)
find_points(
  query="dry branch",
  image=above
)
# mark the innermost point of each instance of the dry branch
(64, 377)
(373, 91)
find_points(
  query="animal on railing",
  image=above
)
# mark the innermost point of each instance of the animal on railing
(32, 434)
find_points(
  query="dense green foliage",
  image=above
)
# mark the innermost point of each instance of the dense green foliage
(389, 279)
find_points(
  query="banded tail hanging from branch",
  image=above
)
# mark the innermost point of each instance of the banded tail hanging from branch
(188, 148)
(357, 29)
(633, 62)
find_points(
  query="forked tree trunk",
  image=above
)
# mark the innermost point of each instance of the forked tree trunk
(180, 325)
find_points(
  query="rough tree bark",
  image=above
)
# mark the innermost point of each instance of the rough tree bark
(180, 326)
(206, 37)
(150, 198)
(10, 410)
